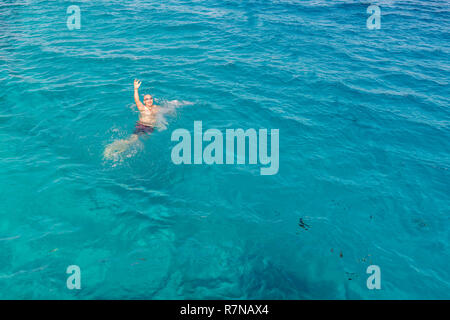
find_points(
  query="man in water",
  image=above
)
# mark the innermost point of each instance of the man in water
(147, 111)
(146, 123)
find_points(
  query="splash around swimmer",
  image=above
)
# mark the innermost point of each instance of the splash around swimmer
(145, 125)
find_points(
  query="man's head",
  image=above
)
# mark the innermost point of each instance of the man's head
(148, 100)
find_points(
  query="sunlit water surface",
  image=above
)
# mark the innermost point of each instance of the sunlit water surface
(364, 150)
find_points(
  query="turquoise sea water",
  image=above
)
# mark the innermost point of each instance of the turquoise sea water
(364, 150)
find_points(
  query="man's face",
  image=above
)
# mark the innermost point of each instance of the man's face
(148, 100)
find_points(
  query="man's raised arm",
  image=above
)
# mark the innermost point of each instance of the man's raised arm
(139, 104)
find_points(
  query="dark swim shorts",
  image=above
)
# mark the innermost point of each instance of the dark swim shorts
(142, 129)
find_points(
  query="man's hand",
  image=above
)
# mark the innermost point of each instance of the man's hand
(137, 84)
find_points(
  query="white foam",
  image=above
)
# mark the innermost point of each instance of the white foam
(168, 108)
